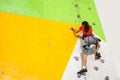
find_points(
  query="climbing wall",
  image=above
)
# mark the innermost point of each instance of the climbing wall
(97, 69)
(36, 42)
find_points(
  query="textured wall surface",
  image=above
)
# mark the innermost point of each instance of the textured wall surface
(35, 38)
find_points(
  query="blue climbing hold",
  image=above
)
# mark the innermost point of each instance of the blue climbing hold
(102, 61)
(76, 58)
(78, 75)
(96, 68)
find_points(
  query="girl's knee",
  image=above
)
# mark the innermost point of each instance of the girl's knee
(98, 46)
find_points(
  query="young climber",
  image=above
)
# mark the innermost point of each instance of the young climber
(89, 39)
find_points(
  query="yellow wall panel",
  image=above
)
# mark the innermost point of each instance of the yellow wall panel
(33, 48)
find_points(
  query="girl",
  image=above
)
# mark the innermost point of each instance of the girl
(89, 39)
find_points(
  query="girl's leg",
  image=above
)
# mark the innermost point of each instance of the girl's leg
(84, 56)
(97, 46)
(84, 64)
(97, 55)
(84, 60)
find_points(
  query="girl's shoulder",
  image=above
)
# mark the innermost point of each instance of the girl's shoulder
(81, 27)
(90, 26)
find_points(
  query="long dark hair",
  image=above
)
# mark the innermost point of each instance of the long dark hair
(86, 26)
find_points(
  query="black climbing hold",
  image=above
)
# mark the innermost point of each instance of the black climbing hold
(78, 16)
(89, 8)
(96, 68)
(76, 5)
(76, 58)
(102, 61)
(93, 23)
(107, 78)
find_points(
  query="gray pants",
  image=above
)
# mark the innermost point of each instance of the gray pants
(89, 40)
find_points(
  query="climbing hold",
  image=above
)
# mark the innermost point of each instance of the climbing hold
(78, 75)
(76, 58)
(78, 16)
(107, 78)
(96, 68)
(76, 5)
(89, 8)
(102, 61)
(93, 23)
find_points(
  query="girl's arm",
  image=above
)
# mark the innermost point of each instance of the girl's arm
(75, 31)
